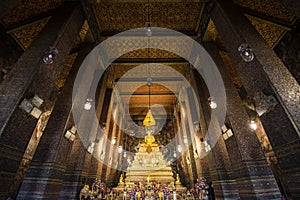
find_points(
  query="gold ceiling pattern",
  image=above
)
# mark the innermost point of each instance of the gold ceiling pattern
(120, 69)
(231, 69)
(117, 17)
(118, 46)
(270, 32)
(27, 34)
(28, 10)
(271, 8)
(157, 87)
(152, 53)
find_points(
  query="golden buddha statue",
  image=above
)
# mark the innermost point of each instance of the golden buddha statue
(121, 179)
(149, 144)
(177, 178)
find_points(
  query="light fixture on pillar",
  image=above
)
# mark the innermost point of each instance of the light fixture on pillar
(70, 134)
(246, 52)
(32, 106)
(129, 161)
(148, 29)
(88, 104)
(179, 148)
(113, 141)
(206, 146)
(174, 154)
(91, 148)
(120, 149)
(185, 140)
(196, 126)
(253, 125)
(226, 132)
(49, 55)
(212, 102)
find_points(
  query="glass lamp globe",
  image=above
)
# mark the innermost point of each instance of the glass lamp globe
(48, 58)
(253, 125)
(88, 104)
(246, 52)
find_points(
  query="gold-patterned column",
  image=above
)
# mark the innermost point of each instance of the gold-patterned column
(28, 77)
(95, 164)
(254, 178)
(266, 76)
(46, 173)
(108, 132)
(113, 150)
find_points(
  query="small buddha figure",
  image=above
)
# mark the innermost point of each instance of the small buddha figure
(148, 179)
(177, 178)
(121, 180)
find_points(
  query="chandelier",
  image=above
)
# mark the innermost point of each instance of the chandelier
(149, 121)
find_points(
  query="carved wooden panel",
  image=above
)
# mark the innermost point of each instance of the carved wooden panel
(116, 17)
(271, 8)
(30, 9)
(152, 53)
(27, 34)
(270, 32)
(155, 70)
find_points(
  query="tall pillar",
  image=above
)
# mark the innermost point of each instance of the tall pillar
(267, 74)
(107, 115)
(218, 159)
(112, 151)
(28, 77)
(46, 172)
(95, 163)
(254, 178)
(76, 169)
(118, 158)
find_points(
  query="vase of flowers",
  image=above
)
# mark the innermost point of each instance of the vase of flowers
(200, 188)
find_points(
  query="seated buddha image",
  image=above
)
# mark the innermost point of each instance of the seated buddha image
(148, 145)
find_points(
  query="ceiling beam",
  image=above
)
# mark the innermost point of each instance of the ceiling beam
(105, 34)
(149, 60)
(146, 105)
(204, 20)
(147, 93)
(157, 117)
(154, 79)
(91, 19)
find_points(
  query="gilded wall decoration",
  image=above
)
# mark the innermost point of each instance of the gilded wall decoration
(271, 8)
(156, 70)
(152, 53)
(62, 77)
(271, 33)
(117, 17)
(211, 33)
(231, 69)
(26, 35)
(117, 47)
(30, 9)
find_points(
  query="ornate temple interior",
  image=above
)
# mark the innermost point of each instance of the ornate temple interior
(149, 99)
